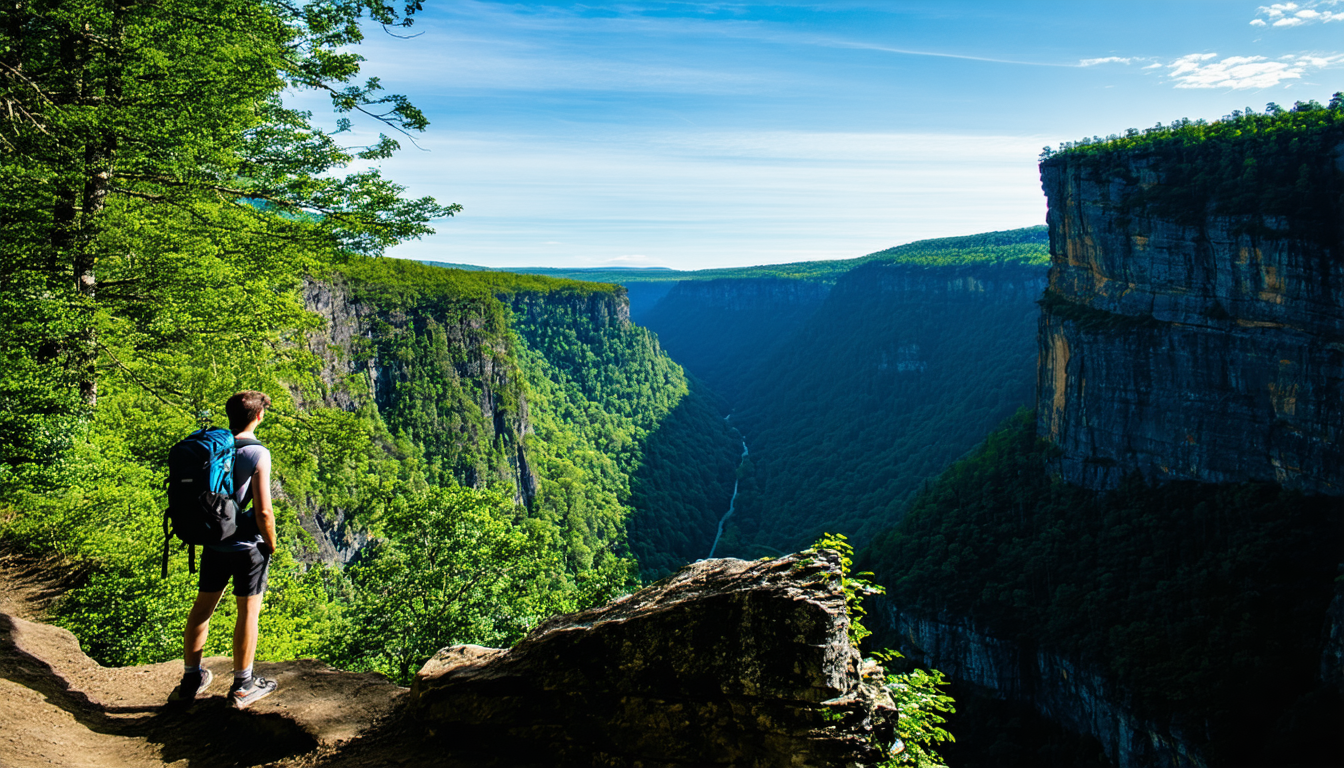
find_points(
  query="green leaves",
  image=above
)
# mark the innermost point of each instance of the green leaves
(916, 694)
(457, 566)
(921, 704)
(856, 586)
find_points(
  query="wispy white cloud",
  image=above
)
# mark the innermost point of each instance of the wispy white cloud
(1205, 70)
(1297, 15)
(837, 43)
(1107, 60)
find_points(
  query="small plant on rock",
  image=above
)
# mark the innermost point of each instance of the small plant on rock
(917, 694)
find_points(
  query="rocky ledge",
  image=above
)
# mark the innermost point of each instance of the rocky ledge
(726, 663)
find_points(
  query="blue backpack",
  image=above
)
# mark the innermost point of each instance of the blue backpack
(201, 509)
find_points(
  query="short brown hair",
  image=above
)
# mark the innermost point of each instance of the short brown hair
(245, 406)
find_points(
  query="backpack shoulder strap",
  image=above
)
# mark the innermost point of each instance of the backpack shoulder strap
(243, 442)
(167, 535)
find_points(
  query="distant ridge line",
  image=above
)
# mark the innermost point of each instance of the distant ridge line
(1025, 246)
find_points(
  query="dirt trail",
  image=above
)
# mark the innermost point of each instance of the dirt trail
(59, 707)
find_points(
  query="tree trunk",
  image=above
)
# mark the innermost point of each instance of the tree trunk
(99, 155)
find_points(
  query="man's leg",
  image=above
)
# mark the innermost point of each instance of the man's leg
(249, 587)
(245, 632)
(198, 627)
(195, 679)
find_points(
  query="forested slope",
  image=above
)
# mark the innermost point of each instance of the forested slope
(1203, 603)
(723, 330)
(907, 364)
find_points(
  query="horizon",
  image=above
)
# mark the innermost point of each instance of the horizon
(697, 135)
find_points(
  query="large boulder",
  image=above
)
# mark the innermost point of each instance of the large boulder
(727, 662)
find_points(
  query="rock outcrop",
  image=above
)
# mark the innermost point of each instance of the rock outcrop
(727, 662)
(1209, 350)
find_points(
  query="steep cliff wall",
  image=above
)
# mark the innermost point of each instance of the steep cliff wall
(1207, 347)
(447, 377)
(1060, 689)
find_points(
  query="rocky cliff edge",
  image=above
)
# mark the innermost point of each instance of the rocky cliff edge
(725, 663)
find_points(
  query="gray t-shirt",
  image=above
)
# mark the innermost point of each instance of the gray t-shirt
(246, 460)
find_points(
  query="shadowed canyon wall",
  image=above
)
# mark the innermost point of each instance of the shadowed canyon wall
(1206, 348)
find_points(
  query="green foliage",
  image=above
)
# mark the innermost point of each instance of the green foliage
(627, 448)
(683, 485)
(1014, 247)
(921, 702)
(856, 586)
(457, 566)
(721, 330)
(156, 248)
(107, 522)
(1095, 320)
(1200, 600)
(917, 694)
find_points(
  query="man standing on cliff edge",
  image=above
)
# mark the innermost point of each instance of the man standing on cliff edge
(245, 557)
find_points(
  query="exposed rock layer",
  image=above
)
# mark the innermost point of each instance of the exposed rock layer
(1211, 351)
(728, 662)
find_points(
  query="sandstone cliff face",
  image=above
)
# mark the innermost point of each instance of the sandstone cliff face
(1058, 688)
(1210, 351)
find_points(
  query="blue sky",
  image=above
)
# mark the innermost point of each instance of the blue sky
(707, 134)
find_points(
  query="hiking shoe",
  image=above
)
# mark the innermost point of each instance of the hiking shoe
(241, 696)
(193, 684)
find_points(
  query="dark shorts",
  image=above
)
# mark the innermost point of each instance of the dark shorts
(247, 567)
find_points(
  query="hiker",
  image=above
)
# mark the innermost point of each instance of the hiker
(245, 557)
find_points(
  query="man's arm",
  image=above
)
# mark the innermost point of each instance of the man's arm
(261, 504)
